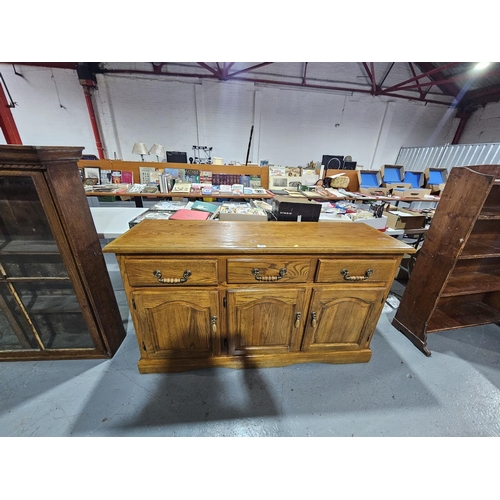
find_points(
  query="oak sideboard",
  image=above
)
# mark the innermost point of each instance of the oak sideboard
(254, 294)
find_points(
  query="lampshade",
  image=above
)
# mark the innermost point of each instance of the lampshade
(140, 149)
(157, 150)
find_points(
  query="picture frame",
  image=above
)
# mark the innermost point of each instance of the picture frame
(92, 173)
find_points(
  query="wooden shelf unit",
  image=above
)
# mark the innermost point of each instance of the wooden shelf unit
(133, 166)
(456, 279)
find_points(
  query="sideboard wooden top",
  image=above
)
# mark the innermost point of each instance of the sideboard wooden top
(224, 237)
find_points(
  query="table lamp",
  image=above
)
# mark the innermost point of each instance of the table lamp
(140, 149)
(157, 150)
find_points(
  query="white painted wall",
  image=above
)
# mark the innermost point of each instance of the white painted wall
(51, 108)
(291, 126)
(483, 125)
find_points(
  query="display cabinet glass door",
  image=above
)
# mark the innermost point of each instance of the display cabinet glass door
(39, 308)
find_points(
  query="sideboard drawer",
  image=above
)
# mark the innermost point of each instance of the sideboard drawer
(267, 270)
(179, 272)
(355, 270)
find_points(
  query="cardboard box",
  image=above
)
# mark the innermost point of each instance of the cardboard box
(376, 222)
(401, 185)
(404, 219)
(415, 179)
(370, 183)
(435, 179)
(392, 174)
(375, 191)
(411, 193)
(227, 213)
(295, 209)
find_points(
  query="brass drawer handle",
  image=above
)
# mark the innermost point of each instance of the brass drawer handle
(171, 281)
(214, 324)
(345, 273)
(282, 273)
(314, 320)
(297, 319)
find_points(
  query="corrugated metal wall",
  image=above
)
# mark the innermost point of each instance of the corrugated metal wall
(449, 156)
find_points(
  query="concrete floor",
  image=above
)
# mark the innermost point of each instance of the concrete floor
(400, 392)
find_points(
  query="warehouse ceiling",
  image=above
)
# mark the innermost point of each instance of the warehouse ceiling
(458, 85)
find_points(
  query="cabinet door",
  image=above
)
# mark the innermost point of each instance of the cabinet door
(176, 323)
(43, 308)
(265, 320)
(342, 318)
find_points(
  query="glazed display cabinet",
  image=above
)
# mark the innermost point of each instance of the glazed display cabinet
(56, 298)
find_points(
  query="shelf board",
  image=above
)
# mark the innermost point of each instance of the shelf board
(463, 315)
(480, 249)
(490, 213)
(29, 247)
(471, 283)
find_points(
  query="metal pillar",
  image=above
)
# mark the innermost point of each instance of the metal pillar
(7, 123)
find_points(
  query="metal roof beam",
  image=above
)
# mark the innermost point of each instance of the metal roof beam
(423, 75)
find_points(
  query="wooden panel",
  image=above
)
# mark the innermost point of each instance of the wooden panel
(141, 272)
(241, 270)
(471, 283)
(468, 314)
(265, 321)
(188, 314)
(342, 318)
(329, 271)
(289, 238)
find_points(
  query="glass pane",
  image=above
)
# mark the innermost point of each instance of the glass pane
(15, 332)
(23, 223)
(55, 312)
(44, 266)
(28, 252)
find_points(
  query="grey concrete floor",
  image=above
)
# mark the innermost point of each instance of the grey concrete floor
(399, 393)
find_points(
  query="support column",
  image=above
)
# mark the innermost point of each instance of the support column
(7, 123)
(464, 117)
(87, 85)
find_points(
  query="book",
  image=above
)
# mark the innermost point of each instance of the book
(105, 177)
(277, 171)
(145, 174)
(116, 177)
(154, 176)
(150, 189)
(173, 172)
(206, 189)
(205, 177)
(196, 188)
(181, 187)
(204, 206)
(136, 188)
(127, 177)
(293, 171)
(255, 181)
(192, 175)
(278, 182)
(237, 189)
(185, 214)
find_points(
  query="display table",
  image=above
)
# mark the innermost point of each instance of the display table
(254, 294)
(111, 222)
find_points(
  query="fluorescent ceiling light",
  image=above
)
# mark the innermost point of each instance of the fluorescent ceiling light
(481, 65)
